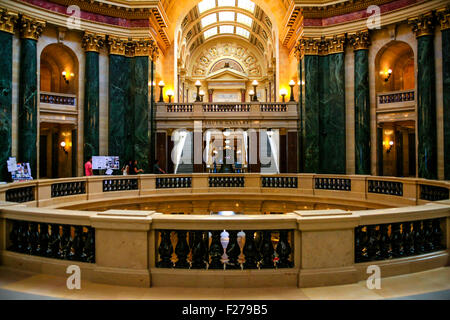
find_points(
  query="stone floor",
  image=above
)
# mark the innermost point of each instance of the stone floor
(433, 284)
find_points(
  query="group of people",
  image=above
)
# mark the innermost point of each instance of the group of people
(130, 168)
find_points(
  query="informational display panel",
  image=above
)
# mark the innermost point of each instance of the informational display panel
(22, 172)
(104, 163)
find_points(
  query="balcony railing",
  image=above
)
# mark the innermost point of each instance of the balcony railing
(396, 99)
(226, 107)
(179, 107)
(273, 107)
(58, 98)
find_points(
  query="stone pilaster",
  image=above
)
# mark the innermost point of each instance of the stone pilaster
(30, 30)
(423, 27)
(361, 42)
(92, 43)
(444, 19)
(310, 51)
(7, 23)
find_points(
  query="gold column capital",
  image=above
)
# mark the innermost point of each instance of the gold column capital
(360, 40)
(92, 41)
(444, 18)
(31, 28)
(423, 25)
(118, 46)
(144, 48)
(335, 44)
(309, 46)
(8, 20)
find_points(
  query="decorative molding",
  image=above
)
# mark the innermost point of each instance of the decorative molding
(360, 40)
(92, 41)
(118, 46)
(340, 8)
(423, 25)
(336, 44)
(8, 20)
(31, 28)
(444, 18)
(309, 46)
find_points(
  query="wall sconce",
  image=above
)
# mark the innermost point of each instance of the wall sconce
(202, 94)
(388, 145)
(283, 93)
(251, 93)
(198, 84)
(170, 95)
(63, 146)
(386, 74)
(161, 87)
(255, 96)
(292, 84)
(65, 77)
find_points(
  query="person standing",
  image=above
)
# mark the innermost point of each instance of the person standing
(157, 169)
(88, 168)
(134, 168)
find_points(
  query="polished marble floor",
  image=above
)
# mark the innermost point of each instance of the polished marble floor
(433, 284)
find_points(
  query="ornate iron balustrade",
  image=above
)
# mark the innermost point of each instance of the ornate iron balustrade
(54, 98)
(279, 182)
(273, 107)
(120, 185)
(433, 193)
(225, 182)
(180, 107)
(59, 241)
(184, 182)
(395, 97)
(20, 195)
(385, 187)
(396, 240)
(205, 250)
(221, 107)
(333, 184)
(68, 189)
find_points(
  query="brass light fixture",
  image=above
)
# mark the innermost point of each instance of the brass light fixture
(161, 87)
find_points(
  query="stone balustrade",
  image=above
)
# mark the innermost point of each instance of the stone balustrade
(396, 99)
(210, 110)
(58, 98)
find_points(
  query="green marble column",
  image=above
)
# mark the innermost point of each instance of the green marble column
(27, 117)
(362, 113)
(324, 109)
(91, 105)
(5, 102)
(120, 137)
(426, 108)
(312, 103)
(446, 93)
(152, 117)
(332, 111)
(300, 125)
(141, 110)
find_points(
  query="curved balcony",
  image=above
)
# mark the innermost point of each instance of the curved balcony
(407, 229)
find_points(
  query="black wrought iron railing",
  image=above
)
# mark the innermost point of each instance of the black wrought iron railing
(59, 241)
(385, 187)
(433, 193)
(279, 182)
(175, 182)
(397, 240)
(333, 184)
(226, 182)
(120, 185)
(249, 249)
(20, 195)
(68, 189)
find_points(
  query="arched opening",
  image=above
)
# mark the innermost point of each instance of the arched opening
(58, 111)
(395, 89)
